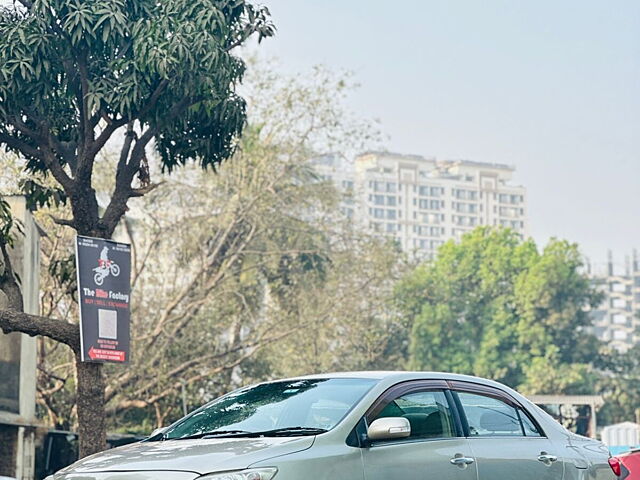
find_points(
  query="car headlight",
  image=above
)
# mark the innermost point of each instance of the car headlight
(252, 474)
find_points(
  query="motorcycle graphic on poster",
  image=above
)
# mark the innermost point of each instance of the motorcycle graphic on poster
(105, 267)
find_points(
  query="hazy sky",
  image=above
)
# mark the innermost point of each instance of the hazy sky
(551, 87)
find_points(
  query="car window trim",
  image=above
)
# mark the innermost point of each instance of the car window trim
(400, 389)
(498, 394)
(521, 411)
(412, 386)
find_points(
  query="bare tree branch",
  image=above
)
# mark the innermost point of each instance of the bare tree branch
(35, 325)
(20, 145)
(64, 222)
(98, 144)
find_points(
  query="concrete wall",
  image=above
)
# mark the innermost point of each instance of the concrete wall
(18, 428)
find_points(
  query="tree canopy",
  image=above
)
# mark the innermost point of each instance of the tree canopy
(74, 72)
(495, 306)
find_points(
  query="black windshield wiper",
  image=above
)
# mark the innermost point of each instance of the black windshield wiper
(291, 431)
(213, 433)
(276, 432)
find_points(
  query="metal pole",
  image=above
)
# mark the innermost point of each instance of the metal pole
(592, 421)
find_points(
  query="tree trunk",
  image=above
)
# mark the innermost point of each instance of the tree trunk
(90, 390)
(90, 407)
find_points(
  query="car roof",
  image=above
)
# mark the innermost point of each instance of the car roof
(402, 376)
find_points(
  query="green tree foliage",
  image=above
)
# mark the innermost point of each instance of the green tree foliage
(165, 64)
(73, 72)
(620, 385)
(495, 306)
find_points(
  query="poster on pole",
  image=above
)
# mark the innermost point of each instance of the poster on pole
(104, 294)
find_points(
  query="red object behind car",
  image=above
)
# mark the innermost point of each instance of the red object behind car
(629, 465)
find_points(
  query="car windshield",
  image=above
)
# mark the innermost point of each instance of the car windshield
(305, 405)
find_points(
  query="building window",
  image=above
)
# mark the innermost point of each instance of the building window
(619, 335)
(430, 218)
(618, 287)
(377, 186)
(619, 319)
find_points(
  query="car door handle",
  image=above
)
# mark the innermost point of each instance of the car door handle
(461, 461)
(546, 458)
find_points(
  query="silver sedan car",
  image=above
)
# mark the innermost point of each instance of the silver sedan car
(359, 426)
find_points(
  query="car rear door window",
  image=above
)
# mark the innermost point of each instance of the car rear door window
(490, 417)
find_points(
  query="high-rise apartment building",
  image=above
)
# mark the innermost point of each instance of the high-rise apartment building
(616, 320)
(422, 202)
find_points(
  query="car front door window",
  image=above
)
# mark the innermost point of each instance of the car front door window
(434, 449)
(428, 413)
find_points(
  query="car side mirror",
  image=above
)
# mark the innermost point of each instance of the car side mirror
(158, 431)
(389, 428)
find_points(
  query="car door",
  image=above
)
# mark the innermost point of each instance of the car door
(436, 448)
(505, 440)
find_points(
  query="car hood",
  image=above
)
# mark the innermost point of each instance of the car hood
(198, 456)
